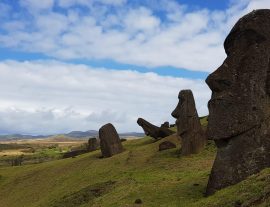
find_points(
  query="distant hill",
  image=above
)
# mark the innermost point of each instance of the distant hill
(80, 134)
(73, 134)
(21, 136)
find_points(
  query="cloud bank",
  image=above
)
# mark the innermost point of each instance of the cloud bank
(51, 96)
(45, 97)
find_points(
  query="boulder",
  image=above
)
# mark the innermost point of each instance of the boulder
(138, 201)
(110, 143)
(239, 108)
(166, 145)
(92, 144)
(188, 124)
(154, 131)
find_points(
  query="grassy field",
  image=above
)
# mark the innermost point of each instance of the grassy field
(36, 150)
(140, 172)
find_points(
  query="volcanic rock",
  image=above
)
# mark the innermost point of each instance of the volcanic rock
(110, 143)
(74, 153)
(166, 145)
(188, 124)
(154, 131)
(166, 124)
(239, 109)
(92, 144)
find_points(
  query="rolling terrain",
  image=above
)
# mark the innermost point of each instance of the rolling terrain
(141, 172)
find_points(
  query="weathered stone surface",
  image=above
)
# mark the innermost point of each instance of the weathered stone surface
(166, 145)
(110, 143)
(166, 124)
(188, 124)
(74, 153)
(92, 144)
(239, 109)
(154, 131)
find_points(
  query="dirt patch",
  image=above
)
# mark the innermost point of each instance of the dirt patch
(85, 195)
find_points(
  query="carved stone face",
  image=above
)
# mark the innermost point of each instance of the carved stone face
(144, 125)
(240, 85)
(184, 109)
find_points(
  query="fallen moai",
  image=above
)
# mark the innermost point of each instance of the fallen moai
(154, 131)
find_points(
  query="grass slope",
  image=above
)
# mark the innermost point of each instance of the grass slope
(157, 178)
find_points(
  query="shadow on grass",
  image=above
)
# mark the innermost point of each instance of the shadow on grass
(84, 196)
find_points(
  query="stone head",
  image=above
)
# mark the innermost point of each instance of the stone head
(184, 109)
(241, 85)
(144, 124)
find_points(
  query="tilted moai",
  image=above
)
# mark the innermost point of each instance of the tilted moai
(154, 131)
(239, 109)
(188, 124)
(110, 143)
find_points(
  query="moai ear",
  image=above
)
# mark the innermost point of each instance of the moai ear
(267, 85)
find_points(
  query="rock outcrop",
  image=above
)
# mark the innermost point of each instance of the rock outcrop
(110, 143)
(188, 124)
(154, 131)
(166, 145)
(239, 109)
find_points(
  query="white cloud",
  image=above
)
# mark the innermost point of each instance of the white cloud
(45, 97)
(49, 96)
(127, 34)
(142, 20)
(34, 5)
(89, 3)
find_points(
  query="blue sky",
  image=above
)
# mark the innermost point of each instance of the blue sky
(20, 10)
(78, 64)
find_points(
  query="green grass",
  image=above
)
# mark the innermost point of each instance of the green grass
(157, 178)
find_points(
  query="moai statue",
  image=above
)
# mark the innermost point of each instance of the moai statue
(154, 131)
(188, 124)
(110, 143)
(239, 109)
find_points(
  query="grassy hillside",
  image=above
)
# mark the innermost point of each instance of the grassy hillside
(141, 172)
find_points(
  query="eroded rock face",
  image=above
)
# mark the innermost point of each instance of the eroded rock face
(239, 109)
(110, 143)
(188, 124)
(154, 131)
(166, 145)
